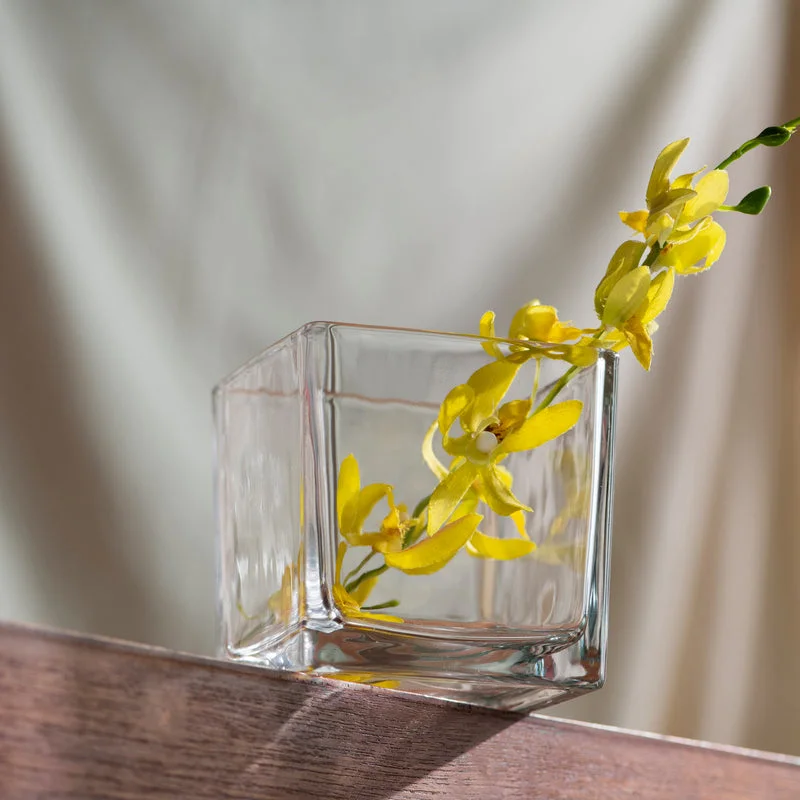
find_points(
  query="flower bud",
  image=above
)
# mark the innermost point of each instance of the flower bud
(773, 136)
(753, 202)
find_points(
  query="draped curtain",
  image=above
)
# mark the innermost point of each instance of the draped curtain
(183, 183)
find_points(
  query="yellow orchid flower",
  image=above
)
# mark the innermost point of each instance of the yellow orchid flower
(539, 324)
(354, 505)
(678, 214)
(490, 434)
(632, 308)
(399, 536)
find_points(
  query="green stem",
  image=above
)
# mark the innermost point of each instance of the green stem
(654, 253)
(565, 378)
(790, 126)
(379, 606)
(737, 154)
(364, 576)
(364, 562)
(557, 387)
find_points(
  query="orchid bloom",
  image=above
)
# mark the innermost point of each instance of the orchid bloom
(678, 215)
(490, 434)
(533, 322)
(540, 325)
(397, 534)
(631, 309)
(354, 505)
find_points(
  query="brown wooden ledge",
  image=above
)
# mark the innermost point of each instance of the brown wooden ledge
(83, 717)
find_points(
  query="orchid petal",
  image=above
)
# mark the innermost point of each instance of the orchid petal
(458, 399)
(490, 384)
(433, 552)
(518, 517)
(368, 498)
(626, 258)
(543, 426)
(448, 494)
(499, 549)
(658, 295)
(685, 181)
(351, 609)
(486, 328)
(626, 297)
(639, 339)
(514, 411)
(706, 246)
(498, 495)
(671, 201)
(712, 189)
(665, 163)
(435, 466)
(635, 219)
(347, 489)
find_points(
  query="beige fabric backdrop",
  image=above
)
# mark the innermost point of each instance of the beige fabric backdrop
(183, 183)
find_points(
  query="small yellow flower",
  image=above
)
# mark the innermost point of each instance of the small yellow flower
(539, 323)
(536, 323)
(399, 536)
(354, 505)
(678, 215)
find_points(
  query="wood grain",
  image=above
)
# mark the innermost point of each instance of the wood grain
(90, 718)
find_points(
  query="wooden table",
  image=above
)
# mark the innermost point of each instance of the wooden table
(89, 718)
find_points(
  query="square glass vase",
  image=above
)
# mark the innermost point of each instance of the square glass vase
(308, 573)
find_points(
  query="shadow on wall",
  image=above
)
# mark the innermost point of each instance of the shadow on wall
(53, 475)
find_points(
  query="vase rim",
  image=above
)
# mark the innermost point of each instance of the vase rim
(551, 350)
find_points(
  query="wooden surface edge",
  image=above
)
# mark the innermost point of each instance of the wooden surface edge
(85, 716)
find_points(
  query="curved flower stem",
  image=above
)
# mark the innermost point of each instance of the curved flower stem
(361, 566)
(564, 379)
(557, 387)
(349, 587)
(769, 137)
(379, 606)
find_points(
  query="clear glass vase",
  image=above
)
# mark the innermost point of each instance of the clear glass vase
(516, 632)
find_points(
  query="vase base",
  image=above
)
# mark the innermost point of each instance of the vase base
(501, 675)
